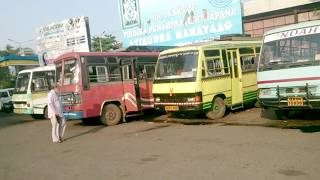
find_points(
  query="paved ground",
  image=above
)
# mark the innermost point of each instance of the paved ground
(240, 146)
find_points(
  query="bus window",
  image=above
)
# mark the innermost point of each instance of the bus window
(59, 73)
(22, 83)
(235, 65)
(102, 75)
(42, 81)
(92, 74)
(114, 69)
(127, 72)
(97, 73)
(149, 71)
(146, 67)
(291, 52)
(71, 72)
(247, 59)
(232, 57)
(258, 50)
(114, 72)
(177, 66)
(225, 62)
(213, 62)
(96, 69)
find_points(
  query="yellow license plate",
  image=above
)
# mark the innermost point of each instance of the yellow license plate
(171, 108)
(295, 101)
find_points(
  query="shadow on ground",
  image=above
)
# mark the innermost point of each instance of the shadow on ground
(307, 121)
(11, 119)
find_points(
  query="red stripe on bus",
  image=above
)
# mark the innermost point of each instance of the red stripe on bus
(288, 80)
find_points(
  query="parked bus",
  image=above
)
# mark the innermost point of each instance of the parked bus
(31, 90)
(112, 85)
(209, 77)
(289, 68)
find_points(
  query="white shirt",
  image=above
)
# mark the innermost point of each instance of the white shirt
(54, 104)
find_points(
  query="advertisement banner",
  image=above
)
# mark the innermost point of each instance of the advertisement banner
(179, 22)
(65, 36)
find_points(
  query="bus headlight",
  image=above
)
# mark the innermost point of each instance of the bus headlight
(191, 99)
(72, 98)
(76, 98)
(265, 92)
(194, 99)
(156, 99)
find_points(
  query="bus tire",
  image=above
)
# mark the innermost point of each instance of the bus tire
(111, 115)
(35, 116)
(218, 109)
(45, 113)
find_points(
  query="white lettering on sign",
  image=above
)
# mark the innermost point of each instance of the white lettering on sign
(173, 25)
(292, 33)
(203, 30)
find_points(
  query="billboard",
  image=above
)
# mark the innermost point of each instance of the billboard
(69, 35)
(178, 22)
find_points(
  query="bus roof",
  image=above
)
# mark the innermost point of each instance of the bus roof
(41, 68)
(108, 53)
(293, 26)
(214, 44)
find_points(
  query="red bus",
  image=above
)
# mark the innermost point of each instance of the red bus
(112, 85)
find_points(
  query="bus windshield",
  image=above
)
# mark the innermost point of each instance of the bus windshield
(291, 52)
(71, 72)
(42, 80)
(178, 65)
(22, 83)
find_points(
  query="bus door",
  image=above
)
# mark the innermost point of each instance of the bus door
(236, 80)
(145, 73)
(131, 93)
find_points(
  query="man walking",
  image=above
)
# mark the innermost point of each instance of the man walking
(55, 113)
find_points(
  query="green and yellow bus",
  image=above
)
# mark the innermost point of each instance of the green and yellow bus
(31, 90)
(208, 77)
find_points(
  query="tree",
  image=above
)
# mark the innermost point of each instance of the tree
(6, 79)
(104, 43)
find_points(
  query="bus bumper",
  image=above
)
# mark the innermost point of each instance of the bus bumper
(179, 107)
(73, 115)
(282, 103)
(22, 111)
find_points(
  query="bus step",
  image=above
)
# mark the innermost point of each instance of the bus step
(237, 106)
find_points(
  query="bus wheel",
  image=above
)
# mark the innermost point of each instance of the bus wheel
(35, 116)
(45, 113)
(218, 110)
(111, 115)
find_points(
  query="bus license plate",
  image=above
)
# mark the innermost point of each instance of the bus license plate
(171, 108)
(295, 101)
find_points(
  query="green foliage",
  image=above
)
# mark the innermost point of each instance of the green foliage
(6, 79)
(104, 43)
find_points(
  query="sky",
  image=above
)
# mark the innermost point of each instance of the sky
(20, 18)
